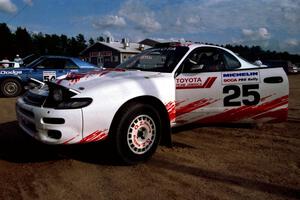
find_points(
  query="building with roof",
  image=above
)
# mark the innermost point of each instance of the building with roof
(110, 54)
(149, 42)
(153, 42)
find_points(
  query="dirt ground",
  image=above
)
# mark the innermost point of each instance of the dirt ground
(223, 162)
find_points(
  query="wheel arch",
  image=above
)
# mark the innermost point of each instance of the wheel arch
(11, 77)
(156, 103)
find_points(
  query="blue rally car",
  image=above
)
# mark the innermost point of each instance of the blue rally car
(45, 68)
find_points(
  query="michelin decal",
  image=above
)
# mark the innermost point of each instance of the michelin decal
(240, 77)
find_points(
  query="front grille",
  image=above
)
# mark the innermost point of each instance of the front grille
(26, 118)
(29, 125)
(34, 99)
(26, 112)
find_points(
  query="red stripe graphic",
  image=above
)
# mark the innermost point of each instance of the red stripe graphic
(207, 84)
(69, 140)
(174, 111)
(194, 106)
(246, 112)
(279, 115)
(209, 81)
(171, 110)
(95, 136)
(74, 77)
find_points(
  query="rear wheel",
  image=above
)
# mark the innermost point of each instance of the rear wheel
(137, 134)
(11, 88)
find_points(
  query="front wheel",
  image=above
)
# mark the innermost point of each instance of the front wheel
(11, 88)
(137, 135)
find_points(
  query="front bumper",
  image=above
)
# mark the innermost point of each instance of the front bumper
(48, 125)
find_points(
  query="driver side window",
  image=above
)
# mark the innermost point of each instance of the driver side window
(51, 63)
(203, 59)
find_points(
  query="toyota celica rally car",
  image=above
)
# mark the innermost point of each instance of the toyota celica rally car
(135, 105)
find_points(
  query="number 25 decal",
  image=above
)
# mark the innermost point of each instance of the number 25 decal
(247, 92)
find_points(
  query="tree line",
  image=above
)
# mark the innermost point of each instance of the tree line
(24, 43)
(257, 53)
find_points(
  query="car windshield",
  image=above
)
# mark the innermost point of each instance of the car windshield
(28, 59)
(156, 59)
(33, 63)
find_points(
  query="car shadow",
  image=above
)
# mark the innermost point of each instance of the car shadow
(192, 126)
(18, 147)
(279, 190)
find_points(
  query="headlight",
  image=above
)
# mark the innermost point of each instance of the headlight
(57, 95)
(60, 97)
(74, 103)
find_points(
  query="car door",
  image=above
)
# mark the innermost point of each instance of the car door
(250, 93)
(214, 86)
(49, 69)
(241, 91)
(198, 86)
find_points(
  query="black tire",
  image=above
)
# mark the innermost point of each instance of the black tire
(11, 88)
(137, 133)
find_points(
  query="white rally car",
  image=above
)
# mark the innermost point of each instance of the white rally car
(136, 104)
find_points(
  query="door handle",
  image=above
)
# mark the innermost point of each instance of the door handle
(273, 79)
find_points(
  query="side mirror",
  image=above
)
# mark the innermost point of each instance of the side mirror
(258, 63)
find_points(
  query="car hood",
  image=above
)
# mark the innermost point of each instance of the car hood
(105, 77)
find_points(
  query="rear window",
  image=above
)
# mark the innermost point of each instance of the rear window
(231, 61)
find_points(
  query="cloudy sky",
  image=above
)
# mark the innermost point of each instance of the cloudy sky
(272, 24)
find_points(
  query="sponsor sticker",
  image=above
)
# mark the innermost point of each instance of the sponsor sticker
(240, 77)
(10, 72)
(194, 82)
(49, 75)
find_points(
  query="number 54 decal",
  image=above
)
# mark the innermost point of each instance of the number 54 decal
(49, 76)
(249, 93)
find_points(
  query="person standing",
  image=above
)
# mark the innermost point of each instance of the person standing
(18, 59)
(5, 63)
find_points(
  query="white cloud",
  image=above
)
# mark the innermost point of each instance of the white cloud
(140, 16)
(220, 15)
(290, 9)
(292, 42)
(263, 33)
(248, 32)
(109, 21)
(256, 35)
(261, 22)
(8, 6)
(291, 45)
(192, 20)
(148, 24)
(28, 2)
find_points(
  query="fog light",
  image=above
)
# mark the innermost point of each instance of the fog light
(57, 95)
(54, 134)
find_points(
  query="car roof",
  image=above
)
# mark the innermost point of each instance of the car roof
(77, 61)
(190, 45)
(53, 56)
